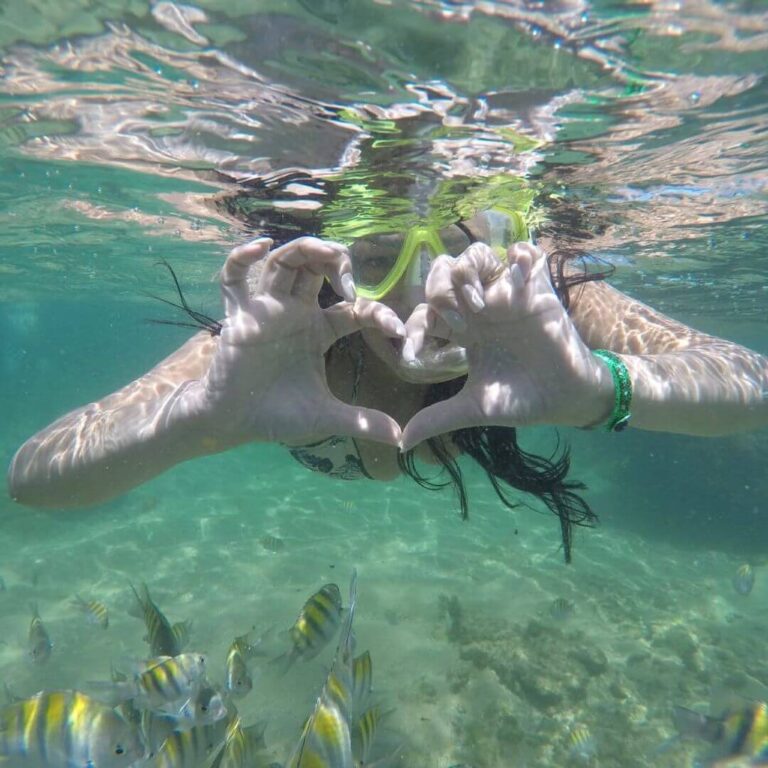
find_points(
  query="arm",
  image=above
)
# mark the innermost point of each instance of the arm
(99, 451)
(530, 361)
(683, 380)
(262, 379)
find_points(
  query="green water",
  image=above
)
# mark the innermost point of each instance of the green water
(113, 140)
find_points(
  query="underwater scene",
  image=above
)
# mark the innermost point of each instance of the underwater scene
(269, 606)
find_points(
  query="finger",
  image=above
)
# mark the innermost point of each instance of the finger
(318, 257)
(335, 267)
(234, 273)
(458, 412)
(457, 288)
(423, 322)
(361, 423)
(516, 279)
(468, 278)
(347, 317)
(441, 294)
(524, 255)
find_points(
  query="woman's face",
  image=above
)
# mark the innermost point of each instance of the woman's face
(372, 258)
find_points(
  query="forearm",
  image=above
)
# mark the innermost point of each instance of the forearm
(684, 380)
(97, 452)
(101, 450)
(708, 392)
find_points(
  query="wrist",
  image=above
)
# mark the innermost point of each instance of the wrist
(600, 400)
(620, 414)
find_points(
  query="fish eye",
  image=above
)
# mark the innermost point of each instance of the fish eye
(201, 659)
(119, 750)
(204, 707)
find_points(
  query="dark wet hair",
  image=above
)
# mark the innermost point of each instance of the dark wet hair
(497, 450)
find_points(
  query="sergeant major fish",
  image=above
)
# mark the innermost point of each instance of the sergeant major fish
(163, 639)
(242, 746)
(164, 684)
(364, 733)
(582, 744)
(57, 729)
(95, 611)
(744, 579)
(40, 645)
(203, 707)
(741, 732)
(362, 678)
(194, 748)
(326, 740)
(316, 624)
(238, 681)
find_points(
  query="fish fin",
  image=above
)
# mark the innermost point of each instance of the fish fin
(10, 696)
(251, 646)
(690, 723)
(255, 733)
(181, 631)
(287, 659)
(387, 760)
(136, 608)
(346, 636)
(110, 693)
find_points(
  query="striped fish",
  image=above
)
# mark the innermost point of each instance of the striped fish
(326, 741)
(162, 639)
(362, 678)
(741, 732)
(238, 681)
(364, 733)
(316, 624)
(95, 611)
(194, 748)
(582, 744)
(203, 707)
(40, 645)
(167, 680)
(242, 746)
(65, 729)
(181, 631)
(744, 579)
(155, 729)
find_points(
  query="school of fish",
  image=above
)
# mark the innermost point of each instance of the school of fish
(165, 712)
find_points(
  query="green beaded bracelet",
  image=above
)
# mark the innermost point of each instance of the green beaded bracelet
(622, 390)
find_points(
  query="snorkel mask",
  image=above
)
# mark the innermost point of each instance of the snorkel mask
(397, 249)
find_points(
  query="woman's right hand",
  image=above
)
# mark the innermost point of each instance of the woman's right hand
(267, 381)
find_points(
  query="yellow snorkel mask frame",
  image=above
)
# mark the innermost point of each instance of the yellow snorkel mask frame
(505, 228)
(363, 209)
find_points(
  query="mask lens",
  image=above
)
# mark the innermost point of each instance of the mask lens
(455, 240)
(380, 261)
(374, 257)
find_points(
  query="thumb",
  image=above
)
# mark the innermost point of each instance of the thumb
(458, 412)
(362, 423)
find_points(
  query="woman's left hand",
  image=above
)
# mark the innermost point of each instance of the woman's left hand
(527, 363)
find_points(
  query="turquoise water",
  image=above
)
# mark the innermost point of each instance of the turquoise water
(117, 128)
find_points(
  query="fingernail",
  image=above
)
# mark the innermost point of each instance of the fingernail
(348, 287)
(400, 329)
(408, 352)
(454, 320)
(473, 298)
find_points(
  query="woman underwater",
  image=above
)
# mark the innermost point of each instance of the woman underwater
(440, 328)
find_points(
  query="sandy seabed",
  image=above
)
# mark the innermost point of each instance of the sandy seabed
(469, 661)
